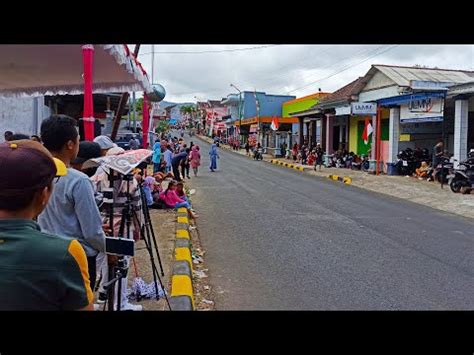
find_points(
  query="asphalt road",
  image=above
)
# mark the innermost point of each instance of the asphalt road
(277, 239)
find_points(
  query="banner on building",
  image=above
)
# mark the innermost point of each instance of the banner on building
(253, 128)
(426, 109)
(363, 108)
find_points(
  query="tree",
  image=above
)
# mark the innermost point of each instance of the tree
(162, 126)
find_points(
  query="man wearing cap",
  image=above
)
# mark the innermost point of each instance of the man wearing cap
(72, 210)
(38, 271)
(105, 144)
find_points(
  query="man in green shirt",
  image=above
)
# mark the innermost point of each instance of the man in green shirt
(38, 271)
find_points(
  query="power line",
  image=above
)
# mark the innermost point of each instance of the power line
(213, 51)
(358, 53)
(343, 69)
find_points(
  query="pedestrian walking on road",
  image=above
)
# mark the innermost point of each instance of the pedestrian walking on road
(247, 148)
(213, 154)
(195, 159)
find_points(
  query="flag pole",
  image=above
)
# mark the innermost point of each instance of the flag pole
(377, 141)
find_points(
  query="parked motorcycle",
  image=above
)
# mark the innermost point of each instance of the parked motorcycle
(444, 168)
(258, 155)
(407, 163)
(463, 176)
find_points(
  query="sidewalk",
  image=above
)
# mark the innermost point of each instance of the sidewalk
(418, 191)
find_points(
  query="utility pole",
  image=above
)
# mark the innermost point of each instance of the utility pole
(121, 105)
(238, 110)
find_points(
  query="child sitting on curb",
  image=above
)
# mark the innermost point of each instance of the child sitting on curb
(172, 200)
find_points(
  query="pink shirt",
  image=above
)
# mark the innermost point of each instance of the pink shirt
(171, 199)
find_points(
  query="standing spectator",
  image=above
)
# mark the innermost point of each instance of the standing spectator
(38, 271)
(156, 159)
(176, 162)
(72, 210)
(195, 159)
(185, 164)
(8, 135)
(319, 156)
(294, 151)
(304, 155)
(167, 156)
(436, 158)
(247, 148)
(134, 143)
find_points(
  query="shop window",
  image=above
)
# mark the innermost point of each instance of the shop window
(384, 133)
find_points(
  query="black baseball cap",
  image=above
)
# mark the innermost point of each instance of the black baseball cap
(87, 150)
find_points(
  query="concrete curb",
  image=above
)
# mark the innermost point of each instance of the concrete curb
(182, 294)
(287, 165)
(345, 179)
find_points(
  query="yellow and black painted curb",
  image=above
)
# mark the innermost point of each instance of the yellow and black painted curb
(287, 165)
(182, 294)
(345, 179)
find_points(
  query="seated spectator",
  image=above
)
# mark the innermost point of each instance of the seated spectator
(172, 200)
(38, 271)
(422, 171)
(180, 191)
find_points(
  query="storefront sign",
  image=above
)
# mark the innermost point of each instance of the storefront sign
(364, 108)
(343, 110)
(253, 128)
(404, 138)
(426, 109)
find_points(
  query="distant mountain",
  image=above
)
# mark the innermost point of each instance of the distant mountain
(165, 104)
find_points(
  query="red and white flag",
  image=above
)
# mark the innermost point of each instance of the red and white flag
(368, 130)
(274, 124)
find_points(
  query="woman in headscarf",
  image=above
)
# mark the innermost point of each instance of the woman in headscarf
(195, 159)
(213, 155)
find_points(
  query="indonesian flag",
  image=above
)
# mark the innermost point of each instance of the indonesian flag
(368, 130)
(274, 124)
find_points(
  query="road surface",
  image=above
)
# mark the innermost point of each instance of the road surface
(278, 239)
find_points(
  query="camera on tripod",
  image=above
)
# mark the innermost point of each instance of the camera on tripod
(124, 200)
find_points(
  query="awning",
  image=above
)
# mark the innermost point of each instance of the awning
(267, 119)
(40, 70)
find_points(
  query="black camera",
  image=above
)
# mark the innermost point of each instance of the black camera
(120, 246)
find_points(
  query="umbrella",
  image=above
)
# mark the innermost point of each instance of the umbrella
(123, 163)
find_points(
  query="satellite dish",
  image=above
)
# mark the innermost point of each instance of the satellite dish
(158, 93)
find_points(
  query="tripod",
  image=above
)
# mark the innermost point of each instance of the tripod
(148, 235)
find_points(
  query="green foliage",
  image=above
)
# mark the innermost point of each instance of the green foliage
(162, 126)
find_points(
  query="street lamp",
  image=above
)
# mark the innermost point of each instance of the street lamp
(240, 103)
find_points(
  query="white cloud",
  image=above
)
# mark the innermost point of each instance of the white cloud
(283, 68)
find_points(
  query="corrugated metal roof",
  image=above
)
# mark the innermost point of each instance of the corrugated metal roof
(403, 75)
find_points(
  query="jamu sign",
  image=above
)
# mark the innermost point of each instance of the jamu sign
(363, 108)
(426, 109)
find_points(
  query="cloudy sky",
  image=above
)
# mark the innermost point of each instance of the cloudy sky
(206, 71)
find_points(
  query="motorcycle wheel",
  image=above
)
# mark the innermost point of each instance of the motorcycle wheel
(456, 185)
